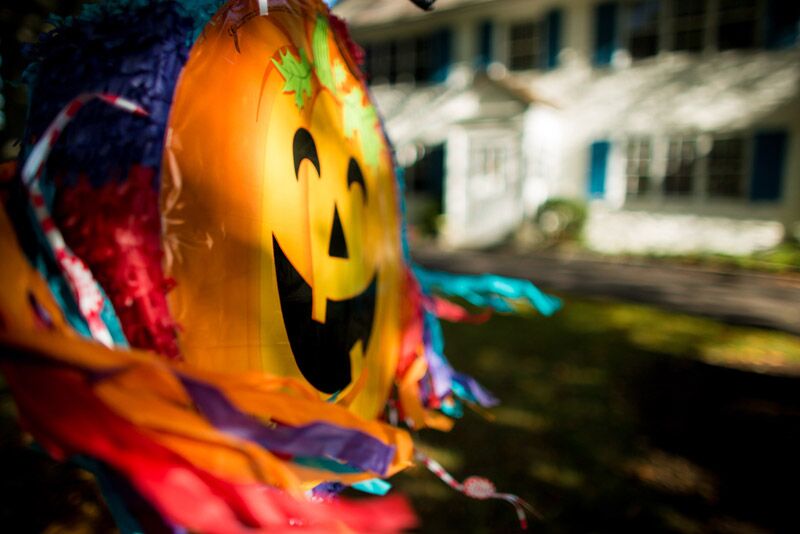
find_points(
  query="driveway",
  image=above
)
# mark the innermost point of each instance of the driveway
(735, 296)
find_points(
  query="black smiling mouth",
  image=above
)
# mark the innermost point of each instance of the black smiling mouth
(322, 350)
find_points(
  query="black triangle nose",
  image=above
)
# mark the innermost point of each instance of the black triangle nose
(337, 248)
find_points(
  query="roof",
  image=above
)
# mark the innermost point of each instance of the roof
(424, 114)
(363, 13)
(677, 92)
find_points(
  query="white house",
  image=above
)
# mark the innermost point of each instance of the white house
(678, 120)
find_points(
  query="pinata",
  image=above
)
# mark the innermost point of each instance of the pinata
(207, 290)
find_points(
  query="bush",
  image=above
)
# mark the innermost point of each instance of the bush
(561, 219)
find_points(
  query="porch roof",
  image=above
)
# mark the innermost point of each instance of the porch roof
(424, 114)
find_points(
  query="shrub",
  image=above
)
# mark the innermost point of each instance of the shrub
(561, 219)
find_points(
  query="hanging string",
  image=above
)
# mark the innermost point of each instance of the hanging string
(79, 278)
(477, 488)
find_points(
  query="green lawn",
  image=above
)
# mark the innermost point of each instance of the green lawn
(784, 258)
(619, 418)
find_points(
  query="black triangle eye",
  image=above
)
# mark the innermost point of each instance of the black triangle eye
(354, 176)
(304, 147)
(337, 247)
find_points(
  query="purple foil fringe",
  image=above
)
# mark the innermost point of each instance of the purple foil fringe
(314, 440)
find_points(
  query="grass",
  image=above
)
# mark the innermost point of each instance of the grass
(618, 418)
(785, 258)
(653, 330)
(615, 418)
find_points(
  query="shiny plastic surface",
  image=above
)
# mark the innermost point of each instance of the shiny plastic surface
(281, 218)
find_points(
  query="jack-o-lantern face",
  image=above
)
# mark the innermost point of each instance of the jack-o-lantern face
(281, 212)
(326, 321)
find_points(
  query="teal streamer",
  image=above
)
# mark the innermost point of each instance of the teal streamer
(487, 290)
(373, 486)
(455, 409)
(126, 523)
(124, 520)
(325, 464)
(400, 177)
(43, 260)
(463, 393)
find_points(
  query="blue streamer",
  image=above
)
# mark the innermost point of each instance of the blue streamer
(487, 290)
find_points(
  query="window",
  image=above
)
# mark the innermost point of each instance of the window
(425, 58)
(689, 24)
(379, 61)
(605, 33)
(485, 44)
(681, 159)
(782, 24)
(726, 168)
(536, 44)
(404, 60)
(525, 46)
(432, 56)
(708, 167)
(553, 24)
(769, 158)
(737, 24)
(637, 168)
(488, 166)
(643, 30)
(426, 175)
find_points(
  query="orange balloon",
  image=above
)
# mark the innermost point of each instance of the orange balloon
(282, 223)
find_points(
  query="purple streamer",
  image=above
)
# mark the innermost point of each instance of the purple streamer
(482, 396)
(314, 440)
(327, 490)
(440, 372)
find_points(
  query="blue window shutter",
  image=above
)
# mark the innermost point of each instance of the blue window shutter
(597, 168)
(441, 55)
(485, 44)
(766, 180)
(554, 21)
(605, 33)
(782, 24)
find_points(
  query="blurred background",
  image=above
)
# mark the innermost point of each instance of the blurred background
(640, 159)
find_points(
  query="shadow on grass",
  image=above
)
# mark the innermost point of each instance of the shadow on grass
(602, 436)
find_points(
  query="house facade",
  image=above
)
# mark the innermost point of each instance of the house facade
(678, 121)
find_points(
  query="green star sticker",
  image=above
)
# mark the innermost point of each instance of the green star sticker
(362, 119)
(297, 73)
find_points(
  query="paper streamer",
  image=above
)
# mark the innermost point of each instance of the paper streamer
(84, 288)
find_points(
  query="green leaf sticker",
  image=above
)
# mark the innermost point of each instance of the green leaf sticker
(322, 54)
(297, 73)
(362, 119)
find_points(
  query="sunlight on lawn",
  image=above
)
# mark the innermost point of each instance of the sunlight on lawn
(683, 335)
